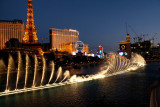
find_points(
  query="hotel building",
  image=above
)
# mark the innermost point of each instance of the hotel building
(125, 47)
(10, 29)
(59, 38)
(70, 48)
(85, 48)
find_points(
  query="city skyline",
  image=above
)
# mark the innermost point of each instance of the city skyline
(98, 22)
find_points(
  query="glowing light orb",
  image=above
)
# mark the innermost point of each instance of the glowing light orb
(79, 46)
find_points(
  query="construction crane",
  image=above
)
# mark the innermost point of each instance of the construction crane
(132, 30)
(138, 38)
(153, 38)
(135, 38)
(144, 35)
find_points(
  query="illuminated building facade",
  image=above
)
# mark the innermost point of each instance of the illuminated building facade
(69, 47)
(85, 48)
(100, 51)
(11, 29)
(30, 31)
(30, 40)
(125, 47)
(143, 48)
(60, 38)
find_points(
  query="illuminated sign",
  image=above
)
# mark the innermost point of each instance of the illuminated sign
(73, 53)
(100, 47)
(79, 46)
(92, 55)
(100, 51)
(99, 56)
(126, 53)
(123, 47)
(85, 53)
(121, 53)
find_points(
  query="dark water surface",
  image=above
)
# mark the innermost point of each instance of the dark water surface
(124, 90)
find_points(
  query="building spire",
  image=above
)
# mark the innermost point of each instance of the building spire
(30, 35)
(128, 38)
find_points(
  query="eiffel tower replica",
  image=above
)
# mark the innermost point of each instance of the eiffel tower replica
(30, 40)
(30, 35)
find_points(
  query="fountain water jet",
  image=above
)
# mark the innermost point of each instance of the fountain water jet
(10, 65)
(138, 59)
(27, 68)
(58, 73)
(52, 72)
(44, 69)
(35, 70)
(19, 67)
(66, 74)
(116, 65)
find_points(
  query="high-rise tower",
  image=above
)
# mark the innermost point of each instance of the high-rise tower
(30, 35)
(128, 38)
(10, 29)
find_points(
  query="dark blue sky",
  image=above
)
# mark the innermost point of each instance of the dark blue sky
(98, 21)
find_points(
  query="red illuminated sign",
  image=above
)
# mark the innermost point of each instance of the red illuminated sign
(100, 47)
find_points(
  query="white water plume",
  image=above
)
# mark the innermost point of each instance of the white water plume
(138, 59)
(58, 73)
(10, 66)
(52, 72)
(66, 75)
(35, 69)
(44, 69)
(115, 65)
(19, 67)
(27, 68)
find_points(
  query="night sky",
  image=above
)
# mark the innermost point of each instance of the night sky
(98, 21)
